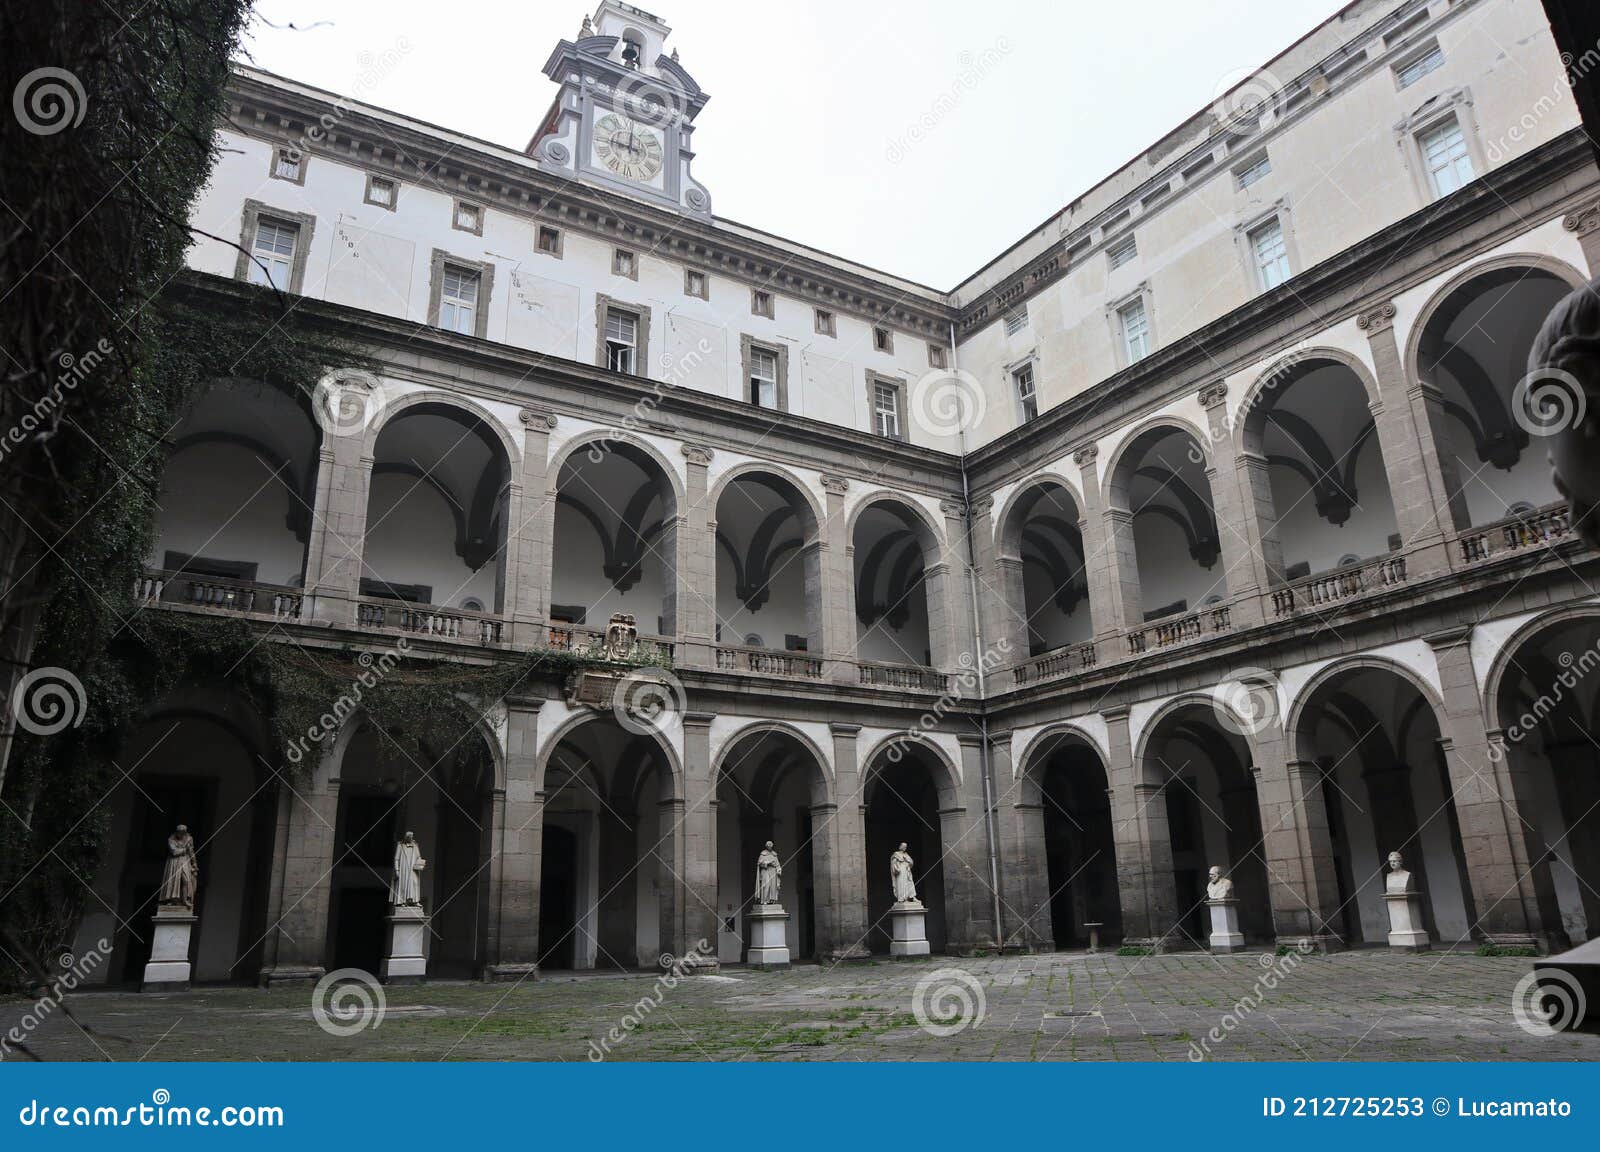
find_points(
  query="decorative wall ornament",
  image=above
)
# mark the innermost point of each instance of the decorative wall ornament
(1583, 221)
(837, 485)
(1375, 320)
(697, 454)
(1086, 455)
(1213, 394)
(537, 418)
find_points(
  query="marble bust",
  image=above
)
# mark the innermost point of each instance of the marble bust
(905, 888)
(182, 873)
(405, 888)
(1564, 363)
(769, 870)
(1399, 880)
(1218, 886)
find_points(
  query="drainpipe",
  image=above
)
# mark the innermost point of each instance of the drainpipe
(986, 765)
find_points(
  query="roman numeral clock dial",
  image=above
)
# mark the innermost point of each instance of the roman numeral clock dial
(627, 148)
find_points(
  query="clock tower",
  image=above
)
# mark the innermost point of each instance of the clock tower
(625, 112)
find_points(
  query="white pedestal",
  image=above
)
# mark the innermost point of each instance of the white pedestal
(168, 969)
(1406, 933)
(1225, 934)
(408, 932)
(908, 929)
(769, 936)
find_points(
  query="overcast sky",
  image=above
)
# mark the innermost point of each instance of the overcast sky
(815, 127)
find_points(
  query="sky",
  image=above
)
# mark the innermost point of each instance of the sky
(922, 139)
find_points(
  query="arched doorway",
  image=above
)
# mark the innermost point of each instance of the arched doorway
(769, 569)
(607, 879)
(893, 548)
(1041, 558)
(770, 786)
(1213, 816)
(1375, 736)
(910, 796)
(1066, 778)
(1548, 709)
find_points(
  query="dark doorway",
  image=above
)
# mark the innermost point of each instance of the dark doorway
(558, 899)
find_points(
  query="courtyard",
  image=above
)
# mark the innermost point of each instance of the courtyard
(1367, 1005)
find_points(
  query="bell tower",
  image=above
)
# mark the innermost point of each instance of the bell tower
(625, 112)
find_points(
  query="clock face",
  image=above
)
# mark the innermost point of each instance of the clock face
(627, 147)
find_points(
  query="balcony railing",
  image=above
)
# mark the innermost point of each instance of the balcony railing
(244, 596)
(580, 640)
(768, 662)
(909, 676)
(1545, 526)
(1180, 629)
(429, 620)
(1060, 662)
(1343, 584)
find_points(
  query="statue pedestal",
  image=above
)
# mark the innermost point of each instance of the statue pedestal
(908, 929)
(408, 931)
(168, 969)
(1225, 934)
(769, 942)
(1406, 933)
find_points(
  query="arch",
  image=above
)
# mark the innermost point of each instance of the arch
(824, 771)
(611, 436)
(1141, 751)
(1007, 512)
(756, 467)
(400, 405)
(934, 537)
(1165, 421)
(324, 775)
(571, 724)
(1493, 682)
(947, 778)
(1043, 745)
(1294, 713)
(1283, 372)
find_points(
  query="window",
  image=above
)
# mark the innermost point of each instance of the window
(274, 247)
(1121, 252)
(1252, 170)
(1269, 253)
(825, 322)
(467, 218)
(938, 356)
(625, 263)
(1445, 156)
(761, 303)
(381, 191)
(1135, 327)
(763, 378)
(886, 409)
(1027, 398)
(622, 340)
(287, 164)
(696, 284)
(1016, 320)
(883, 339)
(1417, 67)
(548, 240)
(458, 300)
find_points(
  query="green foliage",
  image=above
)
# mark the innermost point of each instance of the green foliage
(1506, 950)
(1135, 950)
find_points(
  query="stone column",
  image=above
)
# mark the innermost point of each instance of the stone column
(1585, 224)
(696, 566)
(838, 587)
(969, 892)
(846, 878)
(338, 522)
(528, 543)
(1489, 800)
(962, 625)
(518, 849)
(670, 887)
(295, 948)
(1024, 867)
(698, 839)
(1145, 880)
(1240, 531)
(1421, 480)
(1110, 567)
(1302, 884)
(1002, 611)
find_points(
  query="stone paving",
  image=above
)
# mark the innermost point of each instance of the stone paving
(1352, 1006)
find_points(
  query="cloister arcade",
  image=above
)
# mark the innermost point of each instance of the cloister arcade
(1066, 809)
(769, 565)
(1040, 557)
(910, 796)
(892, 545)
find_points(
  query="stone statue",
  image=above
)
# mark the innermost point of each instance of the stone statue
(769, 869)
(622, 637)
(1567, 352)
(1398, 881)
(405, 890)
(905, 889)
(182, 875)
(1218, 886)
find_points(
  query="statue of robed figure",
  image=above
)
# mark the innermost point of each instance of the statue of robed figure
(405, 889)
(769, 870)
(182, 875)
(905, 888)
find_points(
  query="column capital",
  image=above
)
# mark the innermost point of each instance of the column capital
(1449, 637)
(1085, 456)
(835, 485)
(1214, 394)
(1115, 712)
(698, 719)
(537, 419)
(1583, 221)
(524, 703)
(698, 454)
(953, 509)
(844, 729)
(1378, 318)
